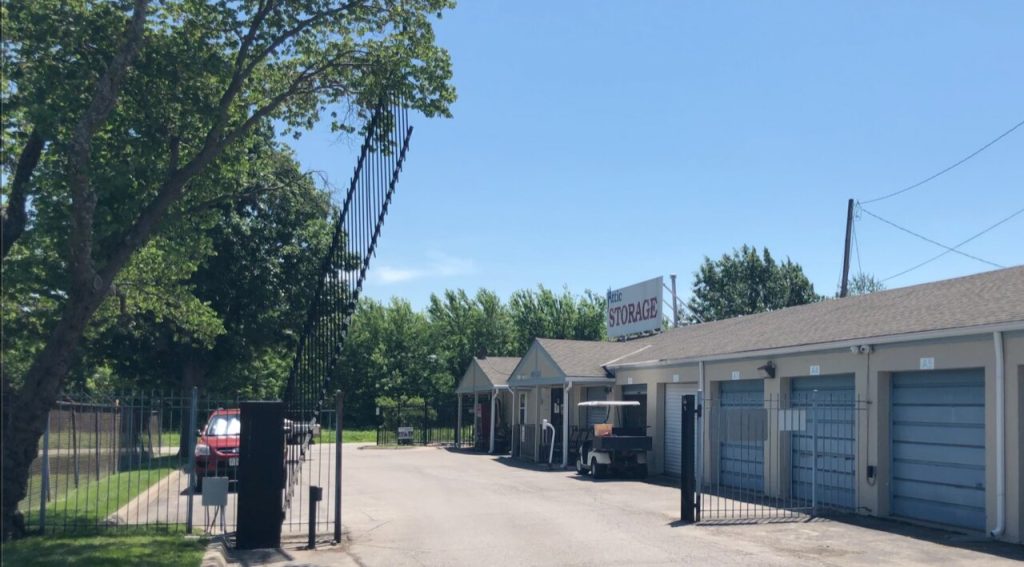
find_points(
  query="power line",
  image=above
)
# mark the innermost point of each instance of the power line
(939, 244)
(927, 179)
(953, 249)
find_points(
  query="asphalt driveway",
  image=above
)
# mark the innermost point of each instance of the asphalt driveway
(430, 506)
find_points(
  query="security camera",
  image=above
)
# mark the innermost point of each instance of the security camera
(865, 349)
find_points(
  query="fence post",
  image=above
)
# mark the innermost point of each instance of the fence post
(74, 442)
(96, 432)
(425, 419)
(699, 458)
(337, 463)
(687, 476)
(814, 452)
(44, 481)
(192, 426)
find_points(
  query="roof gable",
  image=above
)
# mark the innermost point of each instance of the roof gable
(483, 374)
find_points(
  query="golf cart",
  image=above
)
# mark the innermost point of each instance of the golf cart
(613, 449)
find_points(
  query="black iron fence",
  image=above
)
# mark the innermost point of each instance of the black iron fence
(776, 457)
(121, 461)
(313, 460)
(424, 424)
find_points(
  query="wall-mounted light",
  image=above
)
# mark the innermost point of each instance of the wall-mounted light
(768, 369)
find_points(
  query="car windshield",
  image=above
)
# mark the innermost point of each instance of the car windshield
(224, 425)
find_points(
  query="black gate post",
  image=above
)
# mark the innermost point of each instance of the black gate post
(260, 475)
(688, 480)
(338, 440)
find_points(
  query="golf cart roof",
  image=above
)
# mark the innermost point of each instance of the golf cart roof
(604, 404)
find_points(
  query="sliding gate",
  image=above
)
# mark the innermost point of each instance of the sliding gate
(756, 457)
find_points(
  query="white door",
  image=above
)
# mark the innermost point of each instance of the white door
(674, 426)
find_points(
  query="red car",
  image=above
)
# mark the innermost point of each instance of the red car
(217, 449)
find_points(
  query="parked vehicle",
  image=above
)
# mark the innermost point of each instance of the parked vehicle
(613, 449)
(217, 449)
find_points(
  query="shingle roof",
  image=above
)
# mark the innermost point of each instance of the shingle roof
(586, 358)
(498, 368)
(981, 299)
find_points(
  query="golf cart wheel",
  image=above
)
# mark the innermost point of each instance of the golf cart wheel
(641, 471)
(598, 471)
(579, 467)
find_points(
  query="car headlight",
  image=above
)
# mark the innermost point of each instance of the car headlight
(202, 450)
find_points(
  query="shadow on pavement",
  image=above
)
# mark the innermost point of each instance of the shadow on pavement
(969, 541)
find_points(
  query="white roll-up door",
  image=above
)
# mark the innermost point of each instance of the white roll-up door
(673, 426)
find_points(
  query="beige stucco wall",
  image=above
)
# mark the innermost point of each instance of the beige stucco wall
(872, 378)
(656, 379)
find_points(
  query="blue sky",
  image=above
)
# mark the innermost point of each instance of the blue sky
(599, 144)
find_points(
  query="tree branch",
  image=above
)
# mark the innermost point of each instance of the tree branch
(173, 187)
(14, 214)
(83, 197)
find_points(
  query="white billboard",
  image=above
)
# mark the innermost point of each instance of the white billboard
(635, 309)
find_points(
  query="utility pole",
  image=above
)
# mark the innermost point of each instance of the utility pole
(846, 250)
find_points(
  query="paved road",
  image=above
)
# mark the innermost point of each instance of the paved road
(429, 506)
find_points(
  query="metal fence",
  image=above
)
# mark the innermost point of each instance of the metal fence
(120, 461)
(423, 424)
(313, 462)
(764, 458)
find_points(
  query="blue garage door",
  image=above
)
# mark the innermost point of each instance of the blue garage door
(740, 427)
(832, 418)
(938, 447)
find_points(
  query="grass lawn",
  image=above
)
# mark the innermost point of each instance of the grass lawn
(156, 549)
(93, 501)
(88, 442)
(348, 436)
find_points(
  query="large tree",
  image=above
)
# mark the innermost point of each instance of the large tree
(464, 327)
(542, 313)
(744, 282)
(129, 108)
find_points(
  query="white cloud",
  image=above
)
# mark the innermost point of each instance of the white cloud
(439, 265)
(390, 275)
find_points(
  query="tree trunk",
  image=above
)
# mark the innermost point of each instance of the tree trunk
(14, 215)
(193, 374)
(26, 410)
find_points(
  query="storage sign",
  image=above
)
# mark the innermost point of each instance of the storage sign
(635, 309)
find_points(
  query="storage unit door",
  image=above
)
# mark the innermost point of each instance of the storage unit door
(829, 413)
(673, 426)
(938, 447)
(740, 424)
(596, 415)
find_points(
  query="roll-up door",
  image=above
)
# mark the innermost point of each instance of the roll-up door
(596, 415)
(830, 414)
(673, 426)
(938, 447)
(741, 429)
